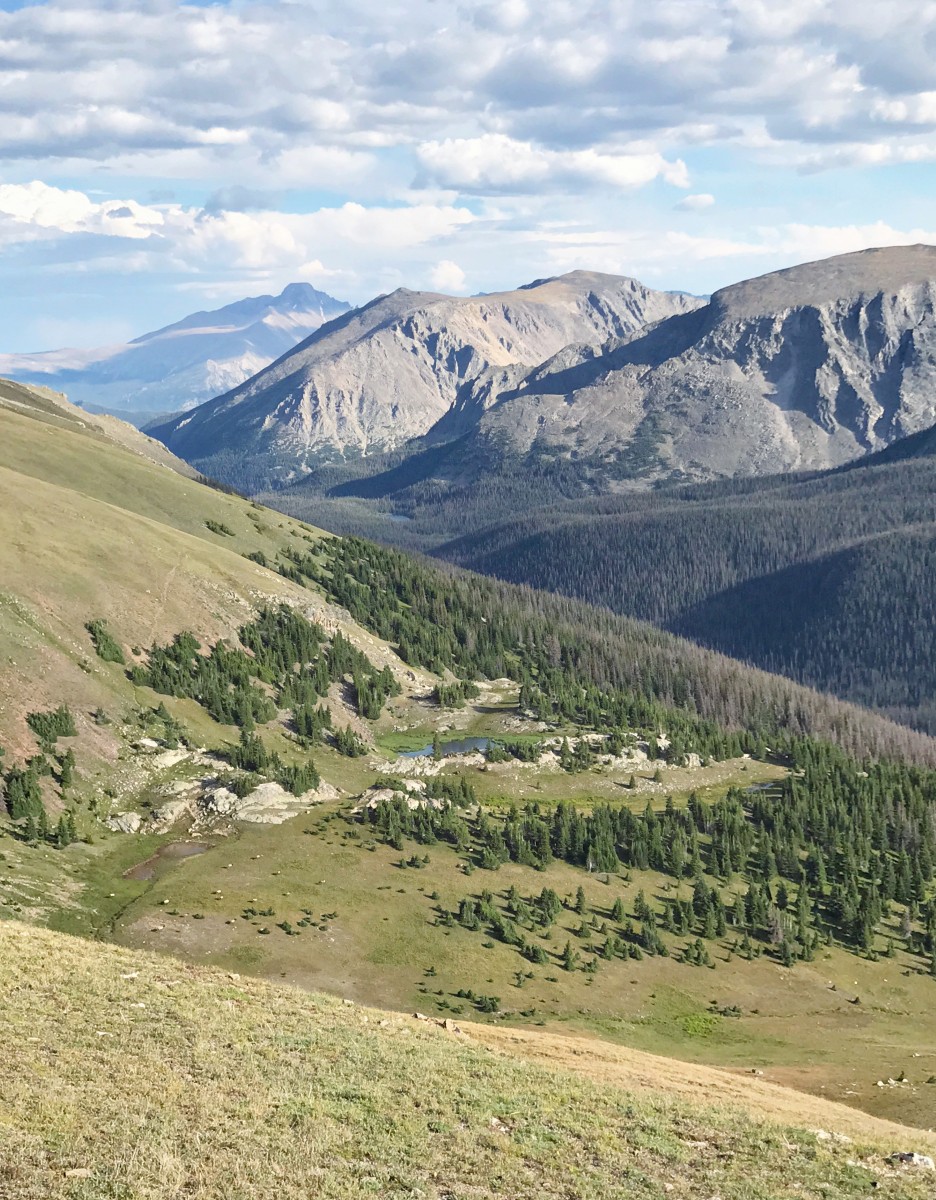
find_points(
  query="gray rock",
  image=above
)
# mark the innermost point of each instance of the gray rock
(909, 1158)
(394, 368)
(167, 814)
(125, 822)
(806, 368)
(267, 804)
(218, 802)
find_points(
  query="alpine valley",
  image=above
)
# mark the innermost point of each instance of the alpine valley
(331, 869)
(688, 471)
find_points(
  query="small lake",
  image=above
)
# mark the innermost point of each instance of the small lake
(168, 854)
(465, 746)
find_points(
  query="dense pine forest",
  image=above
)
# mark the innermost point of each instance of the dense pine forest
(584, 664)
(822, 578)
(824, 853)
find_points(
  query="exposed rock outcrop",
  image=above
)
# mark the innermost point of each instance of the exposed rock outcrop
(801, 369)
(394, 369)
(267, 804)
(124, 822)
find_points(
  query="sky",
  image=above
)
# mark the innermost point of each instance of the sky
(159, 158)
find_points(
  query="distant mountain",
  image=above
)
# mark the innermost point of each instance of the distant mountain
(592, 378)
(402, 366)
(186, 363)
(805, 368)
(569, 479)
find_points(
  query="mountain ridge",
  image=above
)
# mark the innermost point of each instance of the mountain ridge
(404, 363)
(802, 369)
(182, 364)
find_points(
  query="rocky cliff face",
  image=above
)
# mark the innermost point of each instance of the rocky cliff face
(802, 369)
(395, 369)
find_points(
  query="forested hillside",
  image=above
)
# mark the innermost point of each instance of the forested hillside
(570, 654)
(822, 578)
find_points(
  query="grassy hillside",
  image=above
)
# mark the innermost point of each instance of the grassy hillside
(125, 1075)
(88, 530)
(52, 408)
(624, 761)
(337, 909)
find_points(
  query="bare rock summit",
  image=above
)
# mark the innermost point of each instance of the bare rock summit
(388, 372)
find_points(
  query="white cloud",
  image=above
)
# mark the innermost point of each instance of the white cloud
(379, 141)
(214, 237)
(765, 248)
(447, 276)
(803, 242)
(83, 331)
(107, 83)
(696, 202)
(495, 163)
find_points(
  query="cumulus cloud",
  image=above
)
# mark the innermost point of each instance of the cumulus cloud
(385, 142)
(236, 238)
(447, 276)
(496, 163)
(252, 82)
(696, 203)
(37, 211)
(766, 247)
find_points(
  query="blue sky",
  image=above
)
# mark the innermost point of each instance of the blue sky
(157, 158)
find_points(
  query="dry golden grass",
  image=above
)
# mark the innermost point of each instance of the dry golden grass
(125, 1076)
(636, 1070)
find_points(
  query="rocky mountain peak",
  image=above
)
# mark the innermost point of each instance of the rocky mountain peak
(805, 368)
(847, 277)
(393, 369)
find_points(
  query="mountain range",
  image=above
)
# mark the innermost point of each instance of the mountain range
(184, 364)
(416, 421)
(596, 377)
(405, 366)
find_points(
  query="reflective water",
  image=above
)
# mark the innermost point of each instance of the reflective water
(464, 746)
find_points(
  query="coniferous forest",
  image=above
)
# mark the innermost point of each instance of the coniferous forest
(822, 578)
